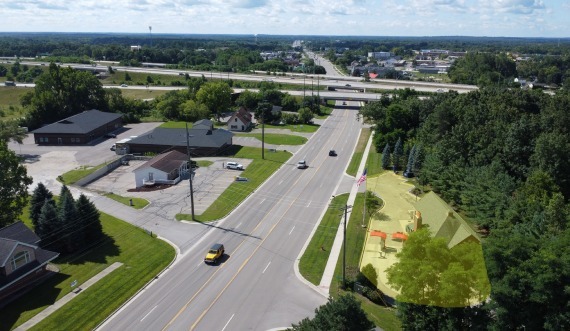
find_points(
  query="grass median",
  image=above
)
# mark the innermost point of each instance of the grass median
(276, 138)
(71, 177)
(143, 257)
(256, 173)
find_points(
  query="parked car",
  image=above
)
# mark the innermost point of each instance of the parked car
(214, 253)
(332, 152)
(234, 166)
(110, 135)
(124, 85)
(347, 85)
(113, 147)
(302, 164)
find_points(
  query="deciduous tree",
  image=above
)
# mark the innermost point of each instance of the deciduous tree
(14, 188)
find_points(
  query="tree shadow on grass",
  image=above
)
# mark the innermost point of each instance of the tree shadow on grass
(97, 253)
(43, 295)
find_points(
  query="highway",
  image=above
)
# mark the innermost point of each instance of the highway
(255, 286)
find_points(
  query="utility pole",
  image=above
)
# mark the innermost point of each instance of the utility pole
(263, 134)
(345, 209)
(190, 171)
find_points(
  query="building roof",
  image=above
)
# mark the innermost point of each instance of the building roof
(20, 232)
(243, 115)
(81, 123)
(443, 221)
(166, 162)
(177, 137)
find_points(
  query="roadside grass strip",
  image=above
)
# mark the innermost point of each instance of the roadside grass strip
(143, 257)
(277, 138)
(358, 152)
(306, 128)
(256, 173)
(314, 260)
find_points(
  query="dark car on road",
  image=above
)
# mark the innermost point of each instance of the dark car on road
(332, 152)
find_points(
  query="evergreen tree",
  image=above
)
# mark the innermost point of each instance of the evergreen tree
(88, 215)
(40, 195)
(342, 313)
(386, 157)
(398, 153)
(411, 159)
(71, 230)
(48, 227)
(418, 159)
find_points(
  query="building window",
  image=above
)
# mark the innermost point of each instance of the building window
(234, 126)
(43, 139)
(235, 119)
(20, 260)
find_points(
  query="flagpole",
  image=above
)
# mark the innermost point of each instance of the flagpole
(364, 214)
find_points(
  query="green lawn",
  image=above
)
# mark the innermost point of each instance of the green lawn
(308, 128)
(314, 260)
(257, 172)
(70, 177)
(142, 255)
(139, 94)
(358, 152)
(138, 203)
(10, 107)
(276, 138)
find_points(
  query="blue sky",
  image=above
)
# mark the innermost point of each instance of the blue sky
(509, 18)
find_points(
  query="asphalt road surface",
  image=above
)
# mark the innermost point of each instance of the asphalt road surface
(254, 287)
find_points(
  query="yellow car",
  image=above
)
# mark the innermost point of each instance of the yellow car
(214, 254)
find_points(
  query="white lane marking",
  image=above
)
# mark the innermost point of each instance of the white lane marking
(280, 182)
(266, 267)
(292, 230)
(309, 204)
(225, 326)
(262, 201)
(239, 225)
(145, 316)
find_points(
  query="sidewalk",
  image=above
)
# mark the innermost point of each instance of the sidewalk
(328, 274)
(68, 297)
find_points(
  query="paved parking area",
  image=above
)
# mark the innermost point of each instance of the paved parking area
(208, 184)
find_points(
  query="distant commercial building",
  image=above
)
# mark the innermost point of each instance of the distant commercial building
(379, 55)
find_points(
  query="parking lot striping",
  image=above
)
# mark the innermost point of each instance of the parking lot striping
(293, 228)
(266, 267)
(225, 326)
(237, 226)
(262, 201)
(309, 204)
(145, 316)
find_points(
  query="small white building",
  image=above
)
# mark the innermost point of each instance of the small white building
(165, 168)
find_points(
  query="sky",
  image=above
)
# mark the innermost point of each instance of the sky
(493, 18)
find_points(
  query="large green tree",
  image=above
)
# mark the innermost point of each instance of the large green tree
(340, 314)
(14, 188)
(62, 92)
(39, 197)
(216, 96)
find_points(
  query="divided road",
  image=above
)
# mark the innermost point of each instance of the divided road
(255, 286)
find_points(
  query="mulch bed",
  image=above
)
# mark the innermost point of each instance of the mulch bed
(156, 187)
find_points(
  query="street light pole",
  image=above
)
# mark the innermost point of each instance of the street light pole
(190, 171)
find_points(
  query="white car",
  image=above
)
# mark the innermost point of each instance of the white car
(302, 164)
(234, 166)
(124, 85)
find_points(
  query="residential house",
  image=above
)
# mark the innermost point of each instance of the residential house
(23, 264)
(78, 129)
(167, 168)
(241, 120)
(442, 221)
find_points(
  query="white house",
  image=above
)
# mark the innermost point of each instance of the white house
(240, 121)
(165, 168)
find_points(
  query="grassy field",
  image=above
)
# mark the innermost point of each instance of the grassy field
(70, 177)
(142, 255)
(383, 317)
(10, 102)
(314, 260)
(358, 152)
(308, 128)
(138, 203)
(257, 172)
(277, 139)
(138, 94)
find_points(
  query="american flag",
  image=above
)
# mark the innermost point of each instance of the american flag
(362, 178)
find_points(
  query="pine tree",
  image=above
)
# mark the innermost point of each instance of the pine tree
(418, 159)
(48, 226)
(411, 159)
(88, 215)
(71, 230)
(398, 153)
(386, 157)
(40, 195)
